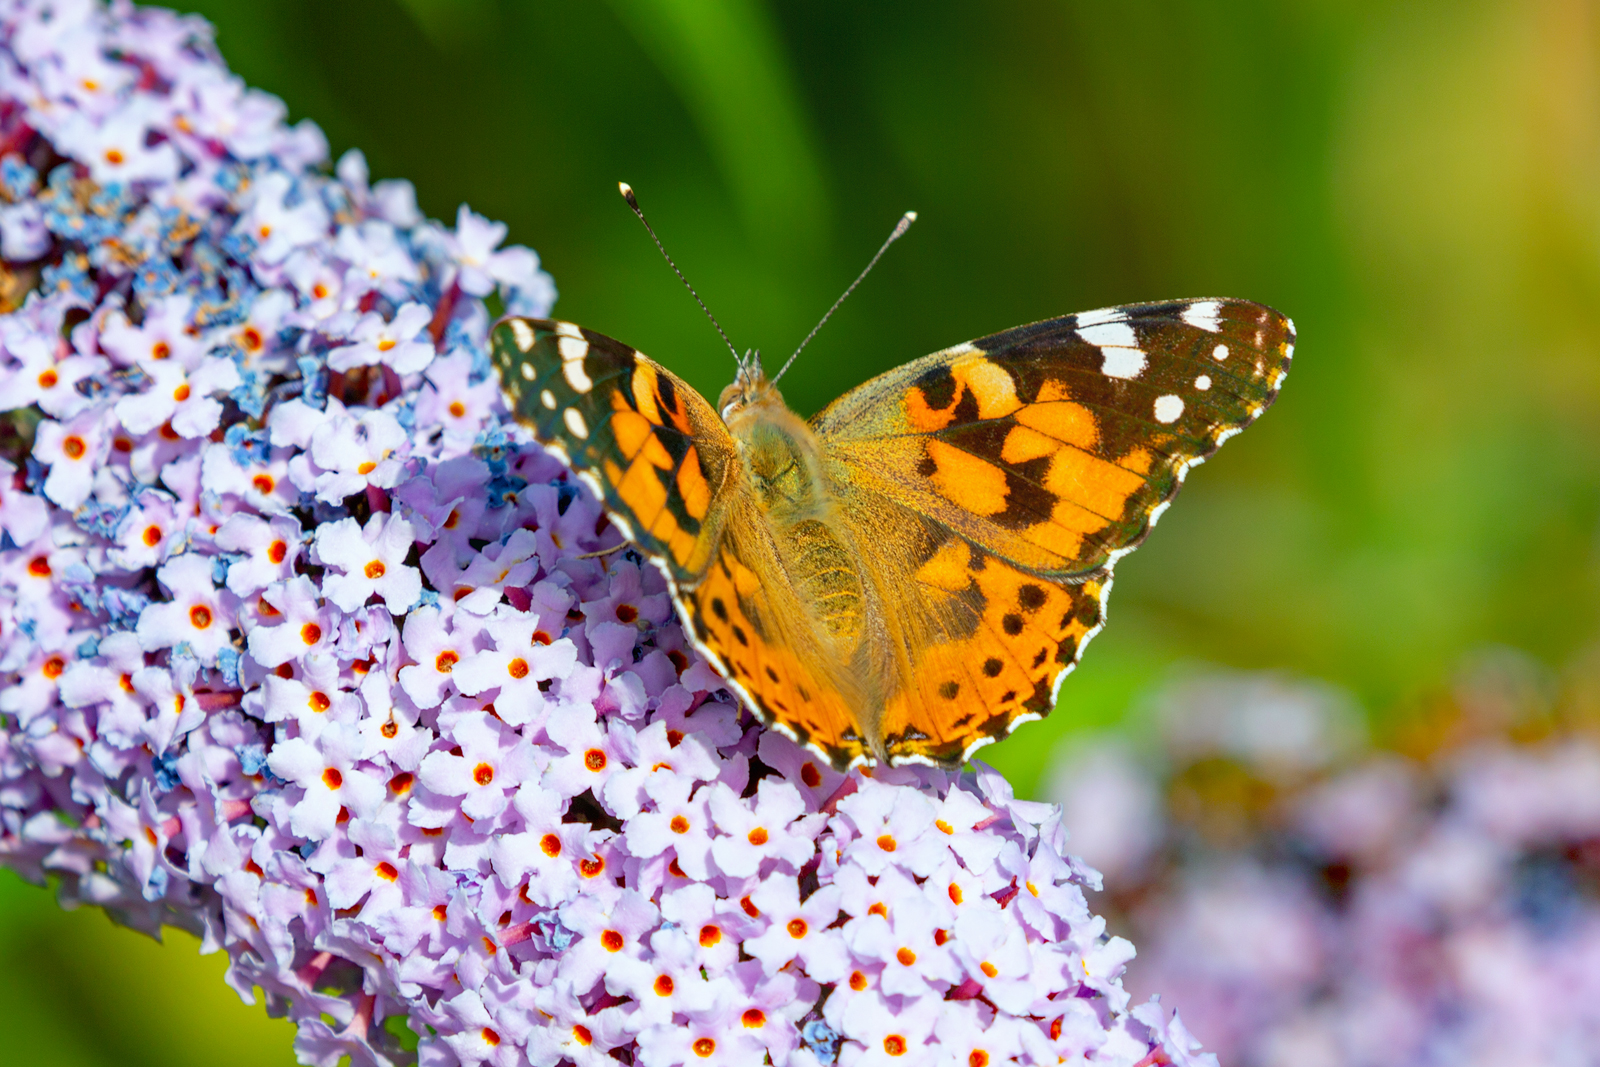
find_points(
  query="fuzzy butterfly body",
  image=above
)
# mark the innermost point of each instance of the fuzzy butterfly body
(911, 573)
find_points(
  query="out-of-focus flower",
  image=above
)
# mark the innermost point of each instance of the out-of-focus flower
(302, 647)
(1434, 899)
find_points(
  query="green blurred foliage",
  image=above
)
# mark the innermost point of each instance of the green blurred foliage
(1415, 183)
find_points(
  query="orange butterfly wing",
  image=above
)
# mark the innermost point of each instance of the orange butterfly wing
(665, 467)
(1038, 456)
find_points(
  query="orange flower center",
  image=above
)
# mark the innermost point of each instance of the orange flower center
(200, 615)
(74, 447)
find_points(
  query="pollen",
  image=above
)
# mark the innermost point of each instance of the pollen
(483, 774)
(679, 825)
(446, 661)
(550, 845)
(797, 928)
(757, 837)
(200, 617)
(332, 778)
(74, 447)
(595, 759)
(611, 940)
(374, 570)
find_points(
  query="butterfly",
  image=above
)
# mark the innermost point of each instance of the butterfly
(910, 574)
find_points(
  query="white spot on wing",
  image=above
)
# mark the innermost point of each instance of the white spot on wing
(527, 371)
(574, 420)
(1203, 382)
(572, 352)
(1219, 353)
(548, 399)
(567, 329)
(1109, 334)
(1168, 408)
(522, 333)
(1122, 362)
(1203, 315)
(1096, 318)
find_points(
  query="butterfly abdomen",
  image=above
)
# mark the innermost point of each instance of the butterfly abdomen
(825, 572)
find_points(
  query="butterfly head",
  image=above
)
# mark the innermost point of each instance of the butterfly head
(751, 387)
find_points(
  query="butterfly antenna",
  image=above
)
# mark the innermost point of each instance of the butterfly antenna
(898, 232)
(633, 202)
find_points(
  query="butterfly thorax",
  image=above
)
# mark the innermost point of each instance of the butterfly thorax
(783, 459)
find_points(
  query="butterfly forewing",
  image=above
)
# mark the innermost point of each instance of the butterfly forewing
(1056, 445)
(646, 443)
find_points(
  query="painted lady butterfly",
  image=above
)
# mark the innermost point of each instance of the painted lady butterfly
(910, 574)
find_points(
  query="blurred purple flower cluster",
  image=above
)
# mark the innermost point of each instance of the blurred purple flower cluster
(1314, 903)
(300, 647)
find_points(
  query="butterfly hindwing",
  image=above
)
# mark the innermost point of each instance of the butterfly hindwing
(644, 441)
(1009, 638)
(1057, 445)
(743, 615)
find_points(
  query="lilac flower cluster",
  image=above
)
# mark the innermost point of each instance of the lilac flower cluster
(303, 647)
(1435, 900)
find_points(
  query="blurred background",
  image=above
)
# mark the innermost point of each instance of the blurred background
(1415, 183)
